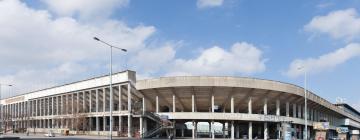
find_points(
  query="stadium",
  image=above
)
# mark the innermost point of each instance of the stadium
(182, 107)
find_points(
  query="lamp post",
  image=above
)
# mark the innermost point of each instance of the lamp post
(1, 114)
(111, 92)
(305, 96)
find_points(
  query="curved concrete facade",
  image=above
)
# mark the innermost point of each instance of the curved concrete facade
(196, 106)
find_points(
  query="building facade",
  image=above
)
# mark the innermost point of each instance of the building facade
(183, 106)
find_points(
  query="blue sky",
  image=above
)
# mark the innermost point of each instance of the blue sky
(48, 43)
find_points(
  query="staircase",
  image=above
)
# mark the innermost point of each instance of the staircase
(162, 124)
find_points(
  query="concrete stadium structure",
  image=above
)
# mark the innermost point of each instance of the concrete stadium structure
(184, 106)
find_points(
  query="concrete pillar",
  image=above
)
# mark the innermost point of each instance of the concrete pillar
(183, 133)
(212, 130)
(193, 103)
(143, 105)
(104, 100)
(97, 100)
(237, 129)
(120, 123)
(213, 103)
(141, 125)
(278, 107)
(194, 129)
(120, 98)
(84, 102)
(287, 109)
(232, 104)
(265, 131)
(52, 105)
(157, 104)
(294, 110)
(97, 123)
(173, 104)
(104, 123)
(250, 131)
(299, 112)
(129, 108)
(250, 106)
(279, 130)
(232, 130)
(265, 106)
(62, 105)
(223, 130)
(90, 102)
(36, 107)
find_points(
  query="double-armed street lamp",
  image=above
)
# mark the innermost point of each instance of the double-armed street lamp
(111, 92)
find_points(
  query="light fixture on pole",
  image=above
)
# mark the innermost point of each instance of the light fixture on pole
(110, 75)
(305, 96)
(1, 114)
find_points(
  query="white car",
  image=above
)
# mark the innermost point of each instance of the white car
(50, 134)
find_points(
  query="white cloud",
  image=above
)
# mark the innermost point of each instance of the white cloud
(209, 3)
(341, 24)
(242, 58)
(84, 9)
(324, 62)
(39, 49)
(151, 60)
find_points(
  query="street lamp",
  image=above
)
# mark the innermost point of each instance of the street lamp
(1, 115)
(111, 92)
(305, 92)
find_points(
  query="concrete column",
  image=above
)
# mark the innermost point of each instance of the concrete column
(97, 124)
(36, 107)
(237, 134)
(232, 104)
(48, 106)
(72, 103)
(84, 102)
(97, 100)
(212, 103)
(287, 109)
(232, 130)
(183, 133)
(104, 123)
(157, 104)
(141, 125)
(78, 103)
(212, 130)
(250, 106)
(193, 103)
(265, 106)
(265, 131)
(104, 100)
(90, 102)
(173, 104)
(303, 112)
(52, 105)
(129, 108)
(250, 131)
(294, 110)
(120, 98)
(120, 123)
(193, 130)
(299, 112)
(53, 123)
(143, 105)
(278, 107)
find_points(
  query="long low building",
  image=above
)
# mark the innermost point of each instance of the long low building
(182, 106)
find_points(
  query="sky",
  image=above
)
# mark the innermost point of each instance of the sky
(46, 43)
